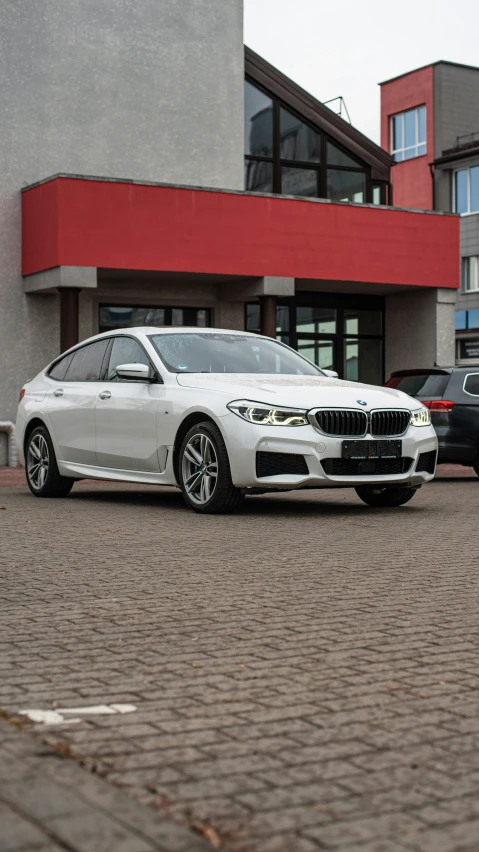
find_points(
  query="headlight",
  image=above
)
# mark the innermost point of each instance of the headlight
(264, 415)
(421, 417)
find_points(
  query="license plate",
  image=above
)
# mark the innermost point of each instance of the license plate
(372, 449)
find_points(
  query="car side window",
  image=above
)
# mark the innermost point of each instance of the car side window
(87, 362)
(125, 350)
(59, 369)
(471, 384)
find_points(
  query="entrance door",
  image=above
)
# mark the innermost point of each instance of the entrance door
(127, 413)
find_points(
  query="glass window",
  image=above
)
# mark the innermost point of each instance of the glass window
(377, 195)
(408, 134)
(125, 350)
(469, 349)
(116, 317)
(461, 320)
(362, 322)
(228, 353)
(298, 140)
(466, 190)
(86, 363)
(258, 126)
(299, 181)
(346, 186)
(336, 157)
(462, 191)
(363, 360)
(258, 176)
(471, 384)
(474, 193)
(59, 369)
(253, 317)
(473, 319)
(421, 384)
(316, 320)
(320, 352)
(470, 273)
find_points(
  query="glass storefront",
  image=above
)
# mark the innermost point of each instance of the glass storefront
(336, 333)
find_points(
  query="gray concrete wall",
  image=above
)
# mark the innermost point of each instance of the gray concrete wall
(420, 329)
(456, 112)
(148, 90)
(456, 104)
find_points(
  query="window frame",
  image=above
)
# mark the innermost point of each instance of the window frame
(340, 303)
(321, 167)
(73, 352)
(465, 276)
(405, 147)
(466, 377)
(168, 313)
(155, 378)
(467, 212)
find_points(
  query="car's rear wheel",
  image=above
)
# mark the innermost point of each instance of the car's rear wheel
(204, 472)
(43, 477)
(385, 496)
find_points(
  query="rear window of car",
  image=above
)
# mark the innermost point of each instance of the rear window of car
(421, 384)
(471, 384)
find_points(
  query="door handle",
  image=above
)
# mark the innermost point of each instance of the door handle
(58, 392)
(105, 394)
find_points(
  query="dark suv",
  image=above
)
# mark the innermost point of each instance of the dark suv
(452, 395)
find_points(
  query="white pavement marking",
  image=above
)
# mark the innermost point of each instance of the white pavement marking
(56, 717)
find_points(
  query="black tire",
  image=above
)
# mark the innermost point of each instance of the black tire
(385, 496)
(49, 482)
(222, 496)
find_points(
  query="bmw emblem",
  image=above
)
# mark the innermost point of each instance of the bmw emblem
(361, 401)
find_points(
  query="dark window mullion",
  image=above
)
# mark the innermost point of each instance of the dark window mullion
(323, 175)
(276, 146)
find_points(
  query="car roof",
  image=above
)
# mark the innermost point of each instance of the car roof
(419, 371)
(174, 329)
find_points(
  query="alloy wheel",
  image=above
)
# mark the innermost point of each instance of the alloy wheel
(199, 469)
(38, 462)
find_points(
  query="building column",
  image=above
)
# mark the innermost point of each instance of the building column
(268, 315)
(68, 317)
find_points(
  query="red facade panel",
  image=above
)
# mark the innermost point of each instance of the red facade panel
(80, 222)
(411, 179)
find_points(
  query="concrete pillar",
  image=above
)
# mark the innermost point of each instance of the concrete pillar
(268, 315)
(68, 317)
(420, 329)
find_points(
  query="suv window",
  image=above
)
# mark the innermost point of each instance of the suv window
(421, 384)
(87, 362)
(471, 384)
(125, 350)
(59, 369)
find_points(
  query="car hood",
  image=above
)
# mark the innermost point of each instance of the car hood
(298, 391)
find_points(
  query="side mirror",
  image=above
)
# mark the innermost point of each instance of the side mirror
(331, 374)
(140, 372)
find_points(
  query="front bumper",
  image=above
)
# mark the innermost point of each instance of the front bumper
(244, 440)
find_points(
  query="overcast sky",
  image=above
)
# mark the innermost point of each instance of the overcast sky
(347, 47)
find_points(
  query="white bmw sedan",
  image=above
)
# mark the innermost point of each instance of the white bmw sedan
(220, 414)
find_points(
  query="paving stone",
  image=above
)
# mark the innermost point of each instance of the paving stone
(324, 698)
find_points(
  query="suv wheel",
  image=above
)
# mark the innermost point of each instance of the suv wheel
(43, 476)
(204, 472)
(386, 496)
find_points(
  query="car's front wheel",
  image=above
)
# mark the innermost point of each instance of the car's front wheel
(385, 496)
(43, 477)
(204, 472)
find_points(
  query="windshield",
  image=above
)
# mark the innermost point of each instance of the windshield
(421, 384)
(192, 352)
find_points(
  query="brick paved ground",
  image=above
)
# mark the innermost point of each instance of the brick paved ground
(305, 672)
